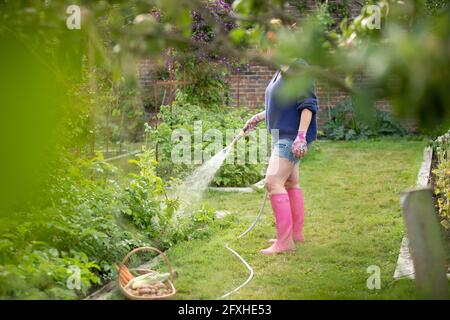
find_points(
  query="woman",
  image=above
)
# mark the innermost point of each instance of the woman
(292, 123)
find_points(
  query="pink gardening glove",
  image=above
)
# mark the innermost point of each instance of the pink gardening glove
(300, 146)
(253, 122)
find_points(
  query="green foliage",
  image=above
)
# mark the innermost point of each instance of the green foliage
(324, 16)
(345, 125)
(441, 147)
(59, 210)
(145, 201)
(301, 6)
(403, 59)
(42, 273)
(238, 175)
(339, 9)
(95, 218)
(390, 58)
(328, 14)
(183, 116)
(79, 228)
(198, 225)
(113, 108)
(441, 173)
(442, 189)
(433, 7)
(206, 85)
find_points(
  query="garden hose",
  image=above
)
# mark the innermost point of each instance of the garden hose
(249, 268)
(258, 216)
(240, 135)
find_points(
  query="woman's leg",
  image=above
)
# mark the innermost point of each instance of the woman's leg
(278, 171)
(297, 204)
(293, 180)
(296, 201)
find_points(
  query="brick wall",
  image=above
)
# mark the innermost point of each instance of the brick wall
(248, 86)
(145, 78)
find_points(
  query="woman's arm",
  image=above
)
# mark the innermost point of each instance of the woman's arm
(261, 115)
(253, 122)
(305, 120)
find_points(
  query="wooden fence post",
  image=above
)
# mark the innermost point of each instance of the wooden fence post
(425, 243)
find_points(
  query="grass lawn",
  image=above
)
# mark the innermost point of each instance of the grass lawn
(352, 221)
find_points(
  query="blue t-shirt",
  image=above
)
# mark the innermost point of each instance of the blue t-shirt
(284, 114)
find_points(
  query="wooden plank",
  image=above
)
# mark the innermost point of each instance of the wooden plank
(104, 293)
(425, 243)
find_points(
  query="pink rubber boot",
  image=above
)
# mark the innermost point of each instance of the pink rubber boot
(298, 214)
(283, 220)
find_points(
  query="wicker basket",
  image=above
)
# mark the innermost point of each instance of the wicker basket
(169, 282)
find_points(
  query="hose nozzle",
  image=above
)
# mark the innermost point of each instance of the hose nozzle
(238, 137)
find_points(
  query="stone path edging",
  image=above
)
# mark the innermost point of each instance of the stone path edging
(405, 266)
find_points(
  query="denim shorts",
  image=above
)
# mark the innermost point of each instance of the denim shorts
(283, 149)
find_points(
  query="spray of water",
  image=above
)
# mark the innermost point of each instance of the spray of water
(190, 192)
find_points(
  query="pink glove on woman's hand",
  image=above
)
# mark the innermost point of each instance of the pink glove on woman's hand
(253, 122)
(300, 146)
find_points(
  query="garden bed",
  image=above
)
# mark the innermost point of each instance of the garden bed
(445, 232)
